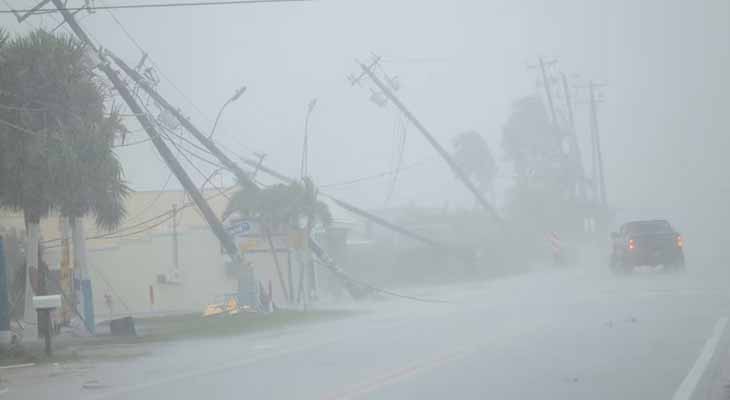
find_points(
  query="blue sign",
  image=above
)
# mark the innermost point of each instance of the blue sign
(239, 228)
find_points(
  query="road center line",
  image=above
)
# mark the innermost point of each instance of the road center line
(124, 391)
(397, 375)
(689, 384)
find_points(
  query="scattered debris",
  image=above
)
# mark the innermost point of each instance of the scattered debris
(229, 306)
(93, 384)
(25, 365)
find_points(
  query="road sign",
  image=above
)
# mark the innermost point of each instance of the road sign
(240, 228)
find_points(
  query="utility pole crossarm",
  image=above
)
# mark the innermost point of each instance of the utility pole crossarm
(367, 70)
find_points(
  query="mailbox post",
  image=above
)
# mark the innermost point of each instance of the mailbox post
(44, 305)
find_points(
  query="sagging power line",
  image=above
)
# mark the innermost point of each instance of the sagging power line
(38, 9)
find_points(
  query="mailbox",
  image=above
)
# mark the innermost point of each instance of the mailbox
(47, 302)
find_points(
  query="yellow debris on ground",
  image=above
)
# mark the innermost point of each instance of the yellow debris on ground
(230, 307)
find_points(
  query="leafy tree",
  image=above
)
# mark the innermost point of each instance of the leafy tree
(529, 139)
(474, 157)
(544, 198)
(282, 205)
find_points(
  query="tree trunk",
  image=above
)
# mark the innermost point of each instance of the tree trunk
(32, 242)
(313, 289)
(4, 290)
(272, 249)
(81, 267)
(290, 273)
(66, 281)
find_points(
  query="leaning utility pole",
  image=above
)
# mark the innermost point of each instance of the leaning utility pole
(542, 64)
(367, 70)
(568, 102)
(573, 135)
(215, 224)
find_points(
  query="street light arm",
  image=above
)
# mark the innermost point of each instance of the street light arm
(217, 118)
(236, 95)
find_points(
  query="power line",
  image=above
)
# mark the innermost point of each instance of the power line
(375, 176)
(182, 150)
(401, 147)
(27, 131)
(116, 234)
(157, 68)
(139, 47)
(132, 143)
(152, 203)
(148, 5)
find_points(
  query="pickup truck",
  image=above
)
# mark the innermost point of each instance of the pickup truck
(647, 243)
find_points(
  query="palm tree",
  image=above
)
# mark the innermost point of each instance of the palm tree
(280, 205)
(56, 137)
(92, 183)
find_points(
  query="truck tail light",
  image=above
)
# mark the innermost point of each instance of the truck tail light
(680, 241)
(632, 244)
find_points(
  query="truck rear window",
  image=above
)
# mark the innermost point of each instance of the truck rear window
(648, 227)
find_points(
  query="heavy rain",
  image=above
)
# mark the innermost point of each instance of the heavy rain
(350, 199)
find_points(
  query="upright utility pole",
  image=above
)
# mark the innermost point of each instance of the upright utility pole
(367, 70)
(597, 143)
(175, 247)
(304, 170)
(215, 224)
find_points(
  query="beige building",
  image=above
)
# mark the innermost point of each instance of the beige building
(133, 269)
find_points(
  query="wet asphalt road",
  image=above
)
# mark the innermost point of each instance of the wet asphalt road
(575, 334)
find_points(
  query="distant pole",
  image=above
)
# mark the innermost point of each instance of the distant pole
(175, 246)
(304, 170)
(597, 143)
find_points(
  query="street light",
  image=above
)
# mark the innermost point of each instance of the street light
(305, 149)
(235, 97)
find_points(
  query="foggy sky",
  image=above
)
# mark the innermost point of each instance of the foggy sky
(664, 123)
